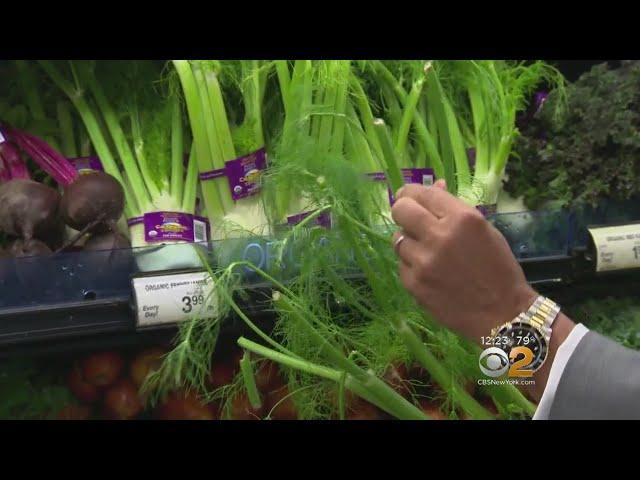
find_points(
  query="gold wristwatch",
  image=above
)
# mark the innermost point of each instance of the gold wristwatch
(530, 330)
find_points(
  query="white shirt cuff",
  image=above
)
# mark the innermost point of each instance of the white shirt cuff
(560, 361)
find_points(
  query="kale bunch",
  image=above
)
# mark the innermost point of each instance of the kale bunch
(616, 318)
(591, 151)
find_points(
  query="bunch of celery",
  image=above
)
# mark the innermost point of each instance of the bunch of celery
(128, 117)
(216, 140)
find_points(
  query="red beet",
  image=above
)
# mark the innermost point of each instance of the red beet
(27, 248)
(90, 197)
(28, 209)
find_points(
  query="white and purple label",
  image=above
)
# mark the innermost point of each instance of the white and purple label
(210, 175)
(487, 210)
(322, 220)
(377, 176)
(87, 164)
(2, 139)
(420, 176)
(135, 221)
(244, 174)
(471, 156)
(173, 227)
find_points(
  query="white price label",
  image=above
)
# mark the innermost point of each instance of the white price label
(2, 139)
(167, 299)
(617, 248)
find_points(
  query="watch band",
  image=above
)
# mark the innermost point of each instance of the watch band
(542, 313)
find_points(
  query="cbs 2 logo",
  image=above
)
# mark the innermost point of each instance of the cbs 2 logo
(494, 362)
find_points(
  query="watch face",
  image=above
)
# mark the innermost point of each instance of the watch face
(524, 345)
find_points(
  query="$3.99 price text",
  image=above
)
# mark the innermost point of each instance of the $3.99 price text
(165, 299)
(191, 301)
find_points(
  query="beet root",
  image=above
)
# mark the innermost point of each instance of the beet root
(27, 248)
(107, 241)
(28, 209)
(90, 197)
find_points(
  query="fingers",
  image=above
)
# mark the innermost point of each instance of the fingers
(441, 184)
(414, 219)
(407, 278)
(408, 250)
(437, 200)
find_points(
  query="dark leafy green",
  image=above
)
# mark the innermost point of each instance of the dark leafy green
(617, 318)
(589, 153)
(30, 391)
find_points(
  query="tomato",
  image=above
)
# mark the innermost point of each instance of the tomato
(268, 376)
(223, 372)
(432, 409)
(74, 412)
(397, 376)
(241, 408)
(364, 411)
(83, 391)
(470, 386)
(144, 363)
(102, 369)
(184, 406)
(122, 401)
(487, 402)
(280, 405)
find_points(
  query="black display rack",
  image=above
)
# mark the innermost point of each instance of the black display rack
(84, 300)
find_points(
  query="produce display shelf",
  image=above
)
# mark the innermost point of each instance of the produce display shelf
(82, 299)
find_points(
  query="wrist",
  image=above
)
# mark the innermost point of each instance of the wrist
(511, 306)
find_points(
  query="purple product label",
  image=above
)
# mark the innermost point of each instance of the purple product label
(210, 175)
(322, 220)
(135, 221)
(487, 210)
(420, 176)
(175, 226)
(539, 100)
(471, 155)
(377, 176)
(87, 164)
(245, 174)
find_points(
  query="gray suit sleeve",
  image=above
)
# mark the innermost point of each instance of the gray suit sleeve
(601, 381)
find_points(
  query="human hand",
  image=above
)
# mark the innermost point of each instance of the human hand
(455, 263)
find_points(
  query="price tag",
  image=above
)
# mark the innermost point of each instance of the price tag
(617, 248)
(2, 139)
(168, 299)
